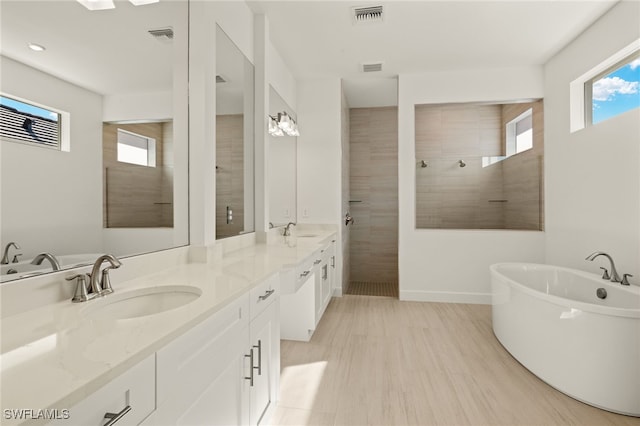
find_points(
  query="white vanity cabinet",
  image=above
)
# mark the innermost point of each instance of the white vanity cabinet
(301, 311)
(201, 374)
(224, 371)
(264, 336)
(325, 279)
(130, 395)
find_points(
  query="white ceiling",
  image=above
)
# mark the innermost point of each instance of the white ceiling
(318, 39)
(106, 51)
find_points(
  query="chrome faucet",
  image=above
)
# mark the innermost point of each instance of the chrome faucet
(5, 254)
(101, 284)
(615, 278)
(287, 229)
(51, 258)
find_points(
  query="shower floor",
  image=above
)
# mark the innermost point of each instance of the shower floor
(363, 288)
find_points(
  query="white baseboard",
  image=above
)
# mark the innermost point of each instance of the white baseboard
(337, 292)
(446, 297)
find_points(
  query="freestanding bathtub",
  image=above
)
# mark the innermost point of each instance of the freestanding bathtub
(552, 321)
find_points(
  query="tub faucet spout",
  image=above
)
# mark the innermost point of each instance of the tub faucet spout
(615, 278)
(48, 256)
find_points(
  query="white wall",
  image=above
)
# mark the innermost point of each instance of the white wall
(280, 78)
(320, 158)
(319, 151)
(593, 175)
(52, 200)
(453, 265)
(138, 106)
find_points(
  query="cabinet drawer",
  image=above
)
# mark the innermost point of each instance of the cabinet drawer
(306, 268)
(263, 295)
(136, 388)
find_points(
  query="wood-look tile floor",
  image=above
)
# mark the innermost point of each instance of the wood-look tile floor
(380, 361)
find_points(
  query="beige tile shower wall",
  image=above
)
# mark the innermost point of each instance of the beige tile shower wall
(346, 166)
(229, 174)
(449, 196)
(137, 196)
(524, 174)
(374, 181)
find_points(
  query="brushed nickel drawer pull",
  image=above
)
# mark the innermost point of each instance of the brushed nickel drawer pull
(114, 417)
(250, 378)
(266, 295)
(259, 367)
(305, 273)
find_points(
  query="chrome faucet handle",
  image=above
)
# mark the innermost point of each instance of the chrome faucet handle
(82, 292)
(605, 275)
(15, 258)
(625, 279)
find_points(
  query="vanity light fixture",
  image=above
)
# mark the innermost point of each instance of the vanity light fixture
(282, 125)
(37, 47)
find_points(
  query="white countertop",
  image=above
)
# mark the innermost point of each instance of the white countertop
(55, 356)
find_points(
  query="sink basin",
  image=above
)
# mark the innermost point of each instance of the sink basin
(307, 235)
(142, 302)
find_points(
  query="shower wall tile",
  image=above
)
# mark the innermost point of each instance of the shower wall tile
(507, 194)
(374, 181)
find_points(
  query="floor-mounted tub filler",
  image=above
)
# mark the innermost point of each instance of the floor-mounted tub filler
(572, 329)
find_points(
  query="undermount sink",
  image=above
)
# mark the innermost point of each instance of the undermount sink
(142, 302)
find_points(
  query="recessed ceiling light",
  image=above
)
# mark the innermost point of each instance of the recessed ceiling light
(97, 4)
(37, 47)
(143, 2)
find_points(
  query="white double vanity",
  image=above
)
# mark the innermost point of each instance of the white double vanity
(178, 342)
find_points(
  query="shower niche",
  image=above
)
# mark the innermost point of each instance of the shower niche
(480, 166)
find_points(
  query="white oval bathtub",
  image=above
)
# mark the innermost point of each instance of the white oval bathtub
(550, 319)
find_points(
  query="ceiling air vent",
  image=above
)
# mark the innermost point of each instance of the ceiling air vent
(162, 34)
(367, 14)
(373, 67)
(220, 79)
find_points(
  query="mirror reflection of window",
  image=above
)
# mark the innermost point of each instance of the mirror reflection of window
(27, 123)
(136, 149)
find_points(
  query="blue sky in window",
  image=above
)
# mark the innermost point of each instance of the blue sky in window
(30, 109)
(617, 92)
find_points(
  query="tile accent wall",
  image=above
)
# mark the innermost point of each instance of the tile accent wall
(346, 166)
(138, 196)
(229, 174)
(374, 182)
(504, 195)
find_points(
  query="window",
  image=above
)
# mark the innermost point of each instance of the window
(613, 91)
(136, 149)
(519, 133)
(606, 90)
(21, 121)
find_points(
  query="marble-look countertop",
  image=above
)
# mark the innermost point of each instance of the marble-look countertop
(55, 356)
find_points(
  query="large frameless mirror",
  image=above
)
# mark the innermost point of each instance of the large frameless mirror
(95, 131)
(234, 139)
(282, 168)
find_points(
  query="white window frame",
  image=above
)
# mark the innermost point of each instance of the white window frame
(511, 147)
(578, 116)
(150, 148)
(64, 126)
